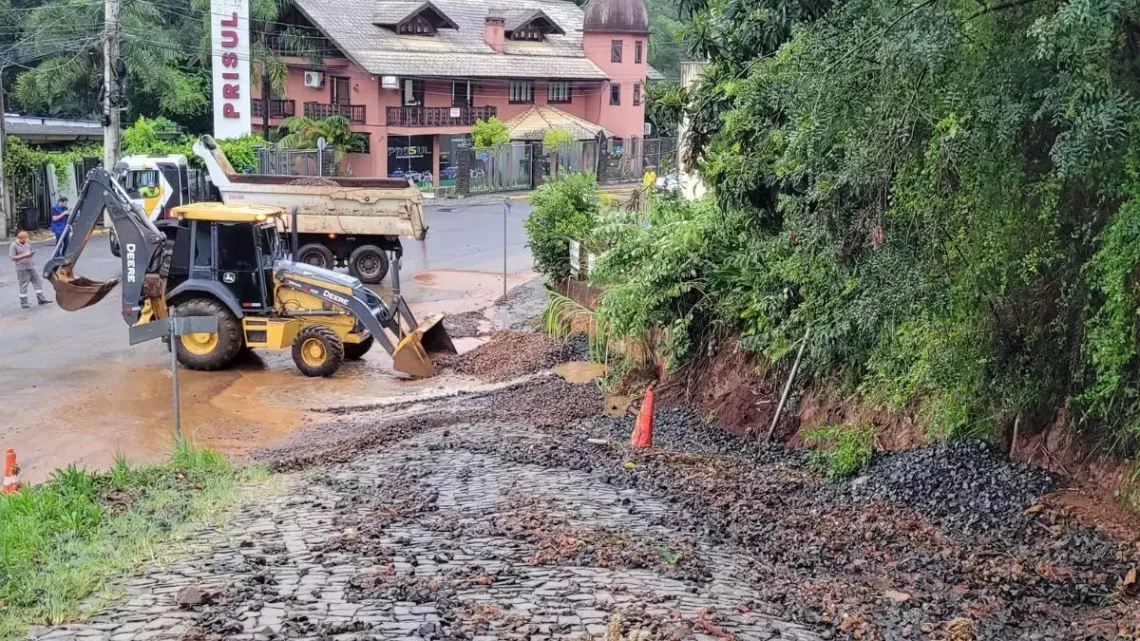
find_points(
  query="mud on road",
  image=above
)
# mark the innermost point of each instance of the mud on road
(494, 513)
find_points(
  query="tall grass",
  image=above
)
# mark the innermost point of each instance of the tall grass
(62, 540)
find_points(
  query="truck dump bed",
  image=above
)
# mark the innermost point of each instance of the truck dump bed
(342, 206)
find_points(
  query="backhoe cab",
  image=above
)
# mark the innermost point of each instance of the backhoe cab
(228, 262)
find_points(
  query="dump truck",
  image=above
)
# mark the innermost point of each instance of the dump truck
(228, 264)
(342, 222)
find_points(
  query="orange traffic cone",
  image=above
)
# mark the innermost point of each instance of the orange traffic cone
(11, 473)
(643, 433)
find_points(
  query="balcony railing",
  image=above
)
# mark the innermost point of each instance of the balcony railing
(438, 116)
(277, 108)
(319, 110)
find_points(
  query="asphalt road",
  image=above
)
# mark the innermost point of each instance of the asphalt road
(75, 391)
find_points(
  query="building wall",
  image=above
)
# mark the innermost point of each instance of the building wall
(627, 119)
(589, 100)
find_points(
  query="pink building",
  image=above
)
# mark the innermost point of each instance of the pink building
(414, 76)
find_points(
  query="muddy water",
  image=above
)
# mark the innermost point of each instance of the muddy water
(120, 401)
(579, 372)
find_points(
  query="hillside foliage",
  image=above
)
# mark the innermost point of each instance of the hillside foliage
(947, 192)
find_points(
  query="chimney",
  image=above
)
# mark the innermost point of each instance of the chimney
(494, 32)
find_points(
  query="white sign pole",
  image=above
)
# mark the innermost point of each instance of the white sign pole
(229, 39)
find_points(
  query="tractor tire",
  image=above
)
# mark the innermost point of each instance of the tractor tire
(209, 351)
(369, 263)
(356, 351)
(318, 351)
(317, 255)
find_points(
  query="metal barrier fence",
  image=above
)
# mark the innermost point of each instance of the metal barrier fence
(504, 168)
(275, 161)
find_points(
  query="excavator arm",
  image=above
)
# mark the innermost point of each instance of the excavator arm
(142, 255)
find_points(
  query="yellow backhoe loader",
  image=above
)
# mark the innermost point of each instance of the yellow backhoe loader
(229, 262)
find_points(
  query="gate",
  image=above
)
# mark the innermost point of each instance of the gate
(275, 161)
(504, 168)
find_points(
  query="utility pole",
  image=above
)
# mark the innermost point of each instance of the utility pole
(112, 84)
(3, 177)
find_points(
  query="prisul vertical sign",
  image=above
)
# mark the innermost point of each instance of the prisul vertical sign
(229, 37)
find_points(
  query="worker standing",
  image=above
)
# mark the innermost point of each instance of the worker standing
(22, 255)
(59, 214)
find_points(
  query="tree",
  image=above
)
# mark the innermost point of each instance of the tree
(489, 133)
(66, 75)
(556, 138)
(664, 107)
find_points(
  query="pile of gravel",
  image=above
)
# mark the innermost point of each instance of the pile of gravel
(575, 348)
(964, 485)
(506, 355)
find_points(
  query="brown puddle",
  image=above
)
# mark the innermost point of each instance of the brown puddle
(579, 372)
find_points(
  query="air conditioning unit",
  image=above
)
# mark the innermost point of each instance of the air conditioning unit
(648, 129)
(314, 79)
(389, 82)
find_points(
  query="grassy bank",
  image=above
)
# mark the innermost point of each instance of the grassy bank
(62, 540)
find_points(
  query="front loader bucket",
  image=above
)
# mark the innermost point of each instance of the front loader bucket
(76, 293)
(414, 353)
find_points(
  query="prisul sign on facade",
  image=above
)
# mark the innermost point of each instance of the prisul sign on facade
(229, 37)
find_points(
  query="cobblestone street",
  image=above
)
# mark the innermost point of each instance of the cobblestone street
(427, 539)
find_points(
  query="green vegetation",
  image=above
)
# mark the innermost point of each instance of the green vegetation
(664, 107)
(60, 541)
(564, 209)
(556, 138)
(489, 133)
(846, 449)
(947, 193)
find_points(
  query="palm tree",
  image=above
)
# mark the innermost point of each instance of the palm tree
(302, 132)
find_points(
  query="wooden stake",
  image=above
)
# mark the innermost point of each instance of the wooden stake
(788, 385)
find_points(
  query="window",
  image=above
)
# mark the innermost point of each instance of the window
(522, 91)
(417, 26)
(615, 94)
(461, 93)
(236, 252)
(558, 92)
(528, 32)
(270, 244)
(637, 52)
(413, 92)
(201, 249)
(615, 50)
(637, 93)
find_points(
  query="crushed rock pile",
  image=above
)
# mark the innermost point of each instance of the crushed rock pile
(505, 355)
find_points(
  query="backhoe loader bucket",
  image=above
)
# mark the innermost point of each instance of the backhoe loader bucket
(414, 352)
(75, 293)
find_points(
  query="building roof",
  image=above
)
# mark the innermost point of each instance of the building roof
(534, 123)
(518, 18)
(391, 14)
(41, 130)
(460, 52)
(616, 16)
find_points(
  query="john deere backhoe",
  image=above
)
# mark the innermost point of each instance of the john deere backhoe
(228, 261)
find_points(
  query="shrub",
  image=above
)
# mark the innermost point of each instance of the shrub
(564, 209)
(489, 133)
(847, 448)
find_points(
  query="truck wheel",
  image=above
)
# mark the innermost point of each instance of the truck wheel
(317, 351)
(369, 263)
(209, 351)
(356, 351)
(316, 255)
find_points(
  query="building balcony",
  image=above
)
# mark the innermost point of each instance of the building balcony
(320, 110)
(438, 116)
(277, 108)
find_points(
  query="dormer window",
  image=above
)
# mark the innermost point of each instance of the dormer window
(531, 24)
(417, 26)
(412, 18)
